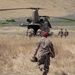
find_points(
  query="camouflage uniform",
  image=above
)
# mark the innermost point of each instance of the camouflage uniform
(46, 49)
(60, 33)
(30, 32)
(39, 32)
(45, 27)
(66, 33)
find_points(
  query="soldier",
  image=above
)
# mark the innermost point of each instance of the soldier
(39, 32)
(66, 33)
(46, 51)
(45, 27)
(30, 32)
(61, 33)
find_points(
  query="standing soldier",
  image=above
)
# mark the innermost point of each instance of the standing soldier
(66, 33)
(46, 51)
(61, 33)
(45, 27)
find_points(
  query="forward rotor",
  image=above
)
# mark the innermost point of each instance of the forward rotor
(19, 9)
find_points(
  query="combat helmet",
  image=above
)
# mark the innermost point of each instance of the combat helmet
(34, 59)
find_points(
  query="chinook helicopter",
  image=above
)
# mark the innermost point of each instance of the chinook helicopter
(35, 22)
(38, 22)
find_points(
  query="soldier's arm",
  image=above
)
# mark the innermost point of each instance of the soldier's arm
(52, 50)
(59, 33)
(36, 49)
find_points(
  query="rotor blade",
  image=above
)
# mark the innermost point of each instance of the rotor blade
(12, 9)
(45, 16)
(35, 8)
(19, 9)
(64, 18)
(67, 19)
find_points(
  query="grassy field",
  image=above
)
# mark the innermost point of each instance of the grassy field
(16, 49)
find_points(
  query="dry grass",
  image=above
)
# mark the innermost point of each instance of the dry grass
(16, 51)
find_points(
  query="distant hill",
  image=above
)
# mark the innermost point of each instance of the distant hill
(54, 8)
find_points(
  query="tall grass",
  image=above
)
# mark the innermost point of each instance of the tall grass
(16, 51)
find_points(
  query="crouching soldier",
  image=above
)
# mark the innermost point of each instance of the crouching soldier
(39, 32)
(46, 50)
(30, 32)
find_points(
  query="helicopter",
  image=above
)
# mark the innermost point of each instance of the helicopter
(38, 22)
(35, 22)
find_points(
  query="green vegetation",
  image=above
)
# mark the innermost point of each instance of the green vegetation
(12, 20)
(7, 21)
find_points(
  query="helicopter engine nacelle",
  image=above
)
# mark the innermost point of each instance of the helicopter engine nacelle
(29, 20)
(42, 20)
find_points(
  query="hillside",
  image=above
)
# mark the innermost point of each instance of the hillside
(52, 7)
(16, 50)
